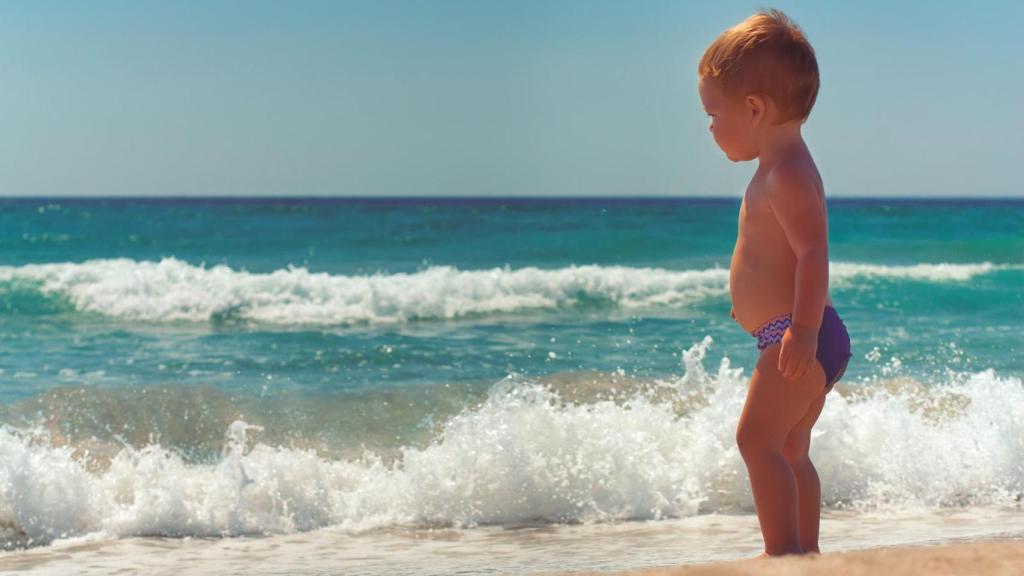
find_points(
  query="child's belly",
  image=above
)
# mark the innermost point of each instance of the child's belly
(761, 285)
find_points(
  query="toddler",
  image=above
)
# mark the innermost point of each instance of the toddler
(758, 82)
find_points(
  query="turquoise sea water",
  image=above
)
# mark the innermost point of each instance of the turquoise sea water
(359, 364)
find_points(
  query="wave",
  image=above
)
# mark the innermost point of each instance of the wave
(526, 454)
(939, 272)
(173, 290)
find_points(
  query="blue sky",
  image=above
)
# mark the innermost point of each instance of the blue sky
(482, 98)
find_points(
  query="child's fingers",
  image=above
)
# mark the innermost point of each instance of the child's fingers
(785, 363)
(792, 365)
(800, 370)
(792, 368)
(806, 366)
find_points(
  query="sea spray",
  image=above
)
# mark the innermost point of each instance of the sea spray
(524, 454)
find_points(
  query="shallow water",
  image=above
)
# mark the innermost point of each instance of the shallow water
(512, 549)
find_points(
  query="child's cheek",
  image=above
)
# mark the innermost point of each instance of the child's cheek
(722, 137)
(716, 130)
(718, 138)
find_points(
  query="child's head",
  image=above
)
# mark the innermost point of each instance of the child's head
(758, 74)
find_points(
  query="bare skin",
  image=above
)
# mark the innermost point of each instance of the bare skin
(779, 266)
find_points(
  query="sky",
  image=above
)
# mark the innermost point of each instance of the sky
(486, 98)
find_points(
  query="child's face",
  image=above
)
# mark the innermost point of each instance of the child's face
(731, 125)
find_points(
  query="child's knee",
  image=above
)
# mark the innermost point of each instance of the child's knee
(753, 441)
(796, 449)
(795, 456)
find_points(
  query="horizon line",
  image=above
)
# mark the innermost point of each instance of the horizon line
(482, 198)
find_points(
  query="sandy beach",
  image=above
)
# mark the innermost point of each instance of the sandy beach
(990, 558)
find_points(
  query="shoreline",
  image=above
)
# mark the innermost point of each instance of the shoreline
(679, 549)
(989, 556)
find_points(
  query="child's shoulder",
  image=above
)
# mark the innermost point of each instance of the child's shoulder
(794, 178)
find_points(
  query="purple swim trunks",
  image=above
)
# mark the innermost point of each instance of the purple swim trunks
(833, 342)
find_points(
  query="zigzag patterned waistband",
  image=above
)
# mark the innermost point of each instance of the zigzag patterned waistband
(772, 331)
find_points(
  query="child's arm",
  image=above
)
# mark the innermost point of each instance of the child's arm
(794, 200)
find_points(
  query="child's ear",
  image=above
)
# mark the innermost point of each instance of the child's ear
(756, 108)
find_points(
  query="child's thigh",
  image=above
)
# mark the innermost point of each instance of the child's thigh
(776, 404)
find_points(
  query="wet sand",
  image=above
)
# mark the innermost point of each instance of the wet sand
(989, 558)
(854, 543)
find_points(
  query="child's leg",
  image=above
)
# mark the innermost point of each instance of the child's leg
(773, 408)
(798, 443)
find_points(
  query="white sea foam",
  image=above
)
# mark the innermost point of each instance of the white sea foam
(525, 455)
(940, 272)
(172, 290)
(175, 290)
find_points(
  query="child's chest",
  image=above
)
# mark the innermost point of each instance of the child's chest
(756, 216)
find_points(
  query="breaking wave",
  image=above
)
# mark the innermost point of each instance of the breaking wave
(526, 453)
(173, 290)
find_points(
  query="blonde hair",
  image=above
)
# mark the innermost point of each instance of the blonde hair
(765, 54)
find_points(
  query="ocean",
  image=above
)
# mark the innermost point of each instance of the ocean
(415, 386)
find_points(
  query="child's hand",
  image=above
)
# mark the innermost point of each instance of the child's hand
(799, 345)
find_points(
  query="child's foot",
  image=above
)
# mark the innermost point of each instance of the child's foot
(765, 555)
